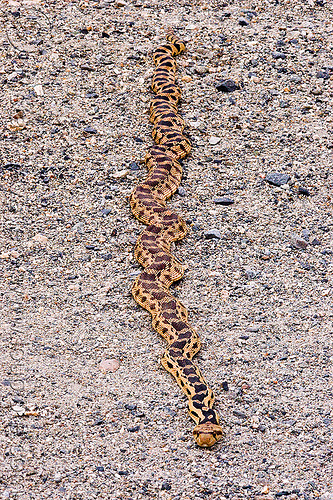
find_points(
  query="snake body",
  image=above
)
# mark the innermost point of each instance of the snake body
(152, 250)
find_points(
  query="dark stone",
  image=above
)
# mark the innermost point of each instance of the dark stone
(244, 337)
(323, 74)
(282, 493)
(239, 414)
(278, 55)
(166, 486)
(224, 201)
(277, 179)
(89, 130)
(225, 386)
(107, 256)
(315, 242)
(133, 166)
(243, 22)
(304, 191)
(130, 406)
(100, 468)
(212, 233)
(105, 35)
(99, 421)
(134, 429)
(305, 265)
(86, 67)
(10, 166)
(280, 43)
(90, 247)
(250, 274)
(91, 94)
(227, 86)
(138, 140)
(123, 472)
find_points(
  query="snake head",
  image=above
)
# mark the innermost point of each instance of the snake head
(207, 434)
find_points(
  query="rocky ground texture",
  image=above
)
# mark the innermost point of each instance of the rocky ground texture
(87, 410)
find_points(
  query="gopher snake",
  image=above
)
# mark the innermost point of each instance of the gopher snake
(152, 250)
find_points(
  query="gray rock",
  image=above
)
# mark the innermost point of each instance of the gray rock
(243, 22)
(251, 274)
(304, 191)
(181, 191)
(89, 130)
(227, 86)
(212, 233)
(296, 79)
(306, 234)
(277, 179)
(298, 242)
(224, 201)
(323, 74)
(278, 55)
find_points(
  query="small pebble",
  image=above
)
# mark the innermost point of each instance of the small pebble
(277, 179)
(130, 406)
(134, 166)
(224, 201)
(89, 130)
(251, 274)
(304, 191)
(306, 234)
(239, 414)
(323, 74)
(227, 86)
(298, 242)
(106, 211)
(278, 55)
(225, 386)
(254, 328)
(166, 486)
(121, 174)
(134, 429)
(296, 78)
(214, 140)
(212, 233)
(109, 365)
(181, 191)
(243, 22)
(284, 104)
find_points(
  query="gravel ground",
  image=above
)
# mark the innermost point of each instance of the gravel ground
(87, 410)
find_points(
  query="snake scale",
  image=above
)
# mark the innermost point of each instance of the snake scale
(152, 250)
